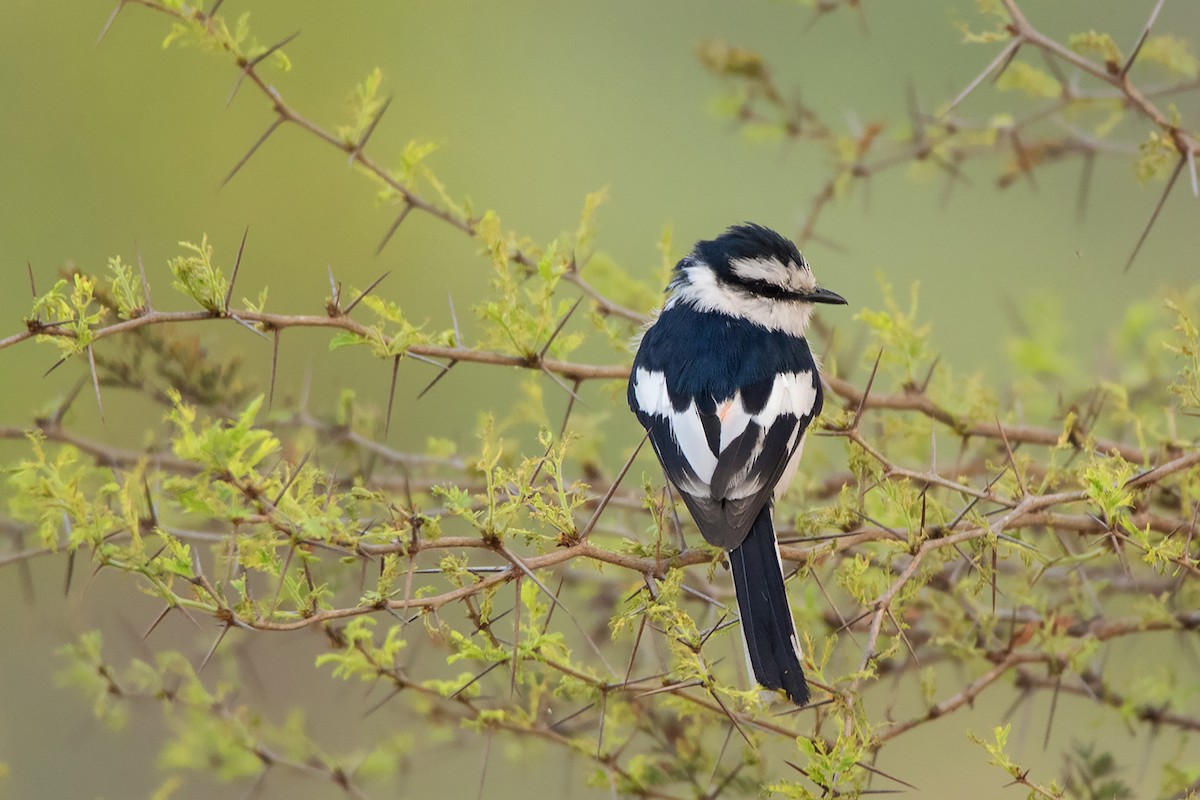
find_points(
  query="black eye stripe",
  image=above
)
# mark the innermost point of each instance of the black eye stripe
(765, 289)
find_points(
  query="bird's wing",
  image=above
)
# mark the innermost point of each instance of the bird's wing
(726, 456)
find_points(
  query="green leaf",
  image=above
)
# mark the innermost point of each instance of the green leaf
(1098, 44)
(722, 58)
(198, 278)
(126, 289)
(346, 339)
(1156, 157)
(365, 104)
(586, 233)
(1171, 52)
(1029, 79)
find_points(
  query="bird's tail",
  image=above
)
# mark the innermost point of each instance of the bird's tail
(770, 635)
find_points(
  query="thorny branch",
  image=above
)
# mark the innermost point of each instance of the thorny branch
(974, 514)
(948, 140)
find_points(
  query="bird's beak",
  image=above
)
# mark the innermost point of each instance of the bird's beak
(825, 296)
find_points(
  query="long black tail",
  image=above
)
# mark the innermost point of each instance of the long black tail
(767, 626)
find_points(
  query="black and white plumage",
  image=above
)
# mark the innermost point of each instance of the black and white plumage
(726, 386)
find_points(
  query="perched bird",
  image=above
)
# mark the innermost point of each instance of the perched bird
(726, 386)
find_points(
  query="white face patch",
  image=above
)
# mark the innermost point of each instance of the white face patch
(701, 290)
(790, 276)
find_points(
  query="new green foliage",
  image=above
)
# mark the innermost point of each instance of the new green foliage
(966, 535)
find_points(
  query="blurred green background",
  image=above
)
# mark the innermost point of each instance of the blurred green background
(105, 149)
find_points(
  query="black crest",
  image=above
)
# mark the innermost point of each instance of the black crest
(748, 241)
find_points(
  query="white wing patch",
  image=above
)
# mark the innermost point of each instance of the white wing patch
(650, 391)
(789, 471)
(734, 419)
(748, 481)
(689, 432)
(792, 393)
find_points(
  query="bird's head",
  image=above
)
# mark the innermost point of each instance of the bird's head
(752, 273)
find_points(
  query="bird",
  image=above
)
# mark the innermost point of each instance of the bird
(726, 386)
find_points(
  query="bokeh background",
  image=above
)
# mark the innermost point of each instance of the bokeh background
(107, 149)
